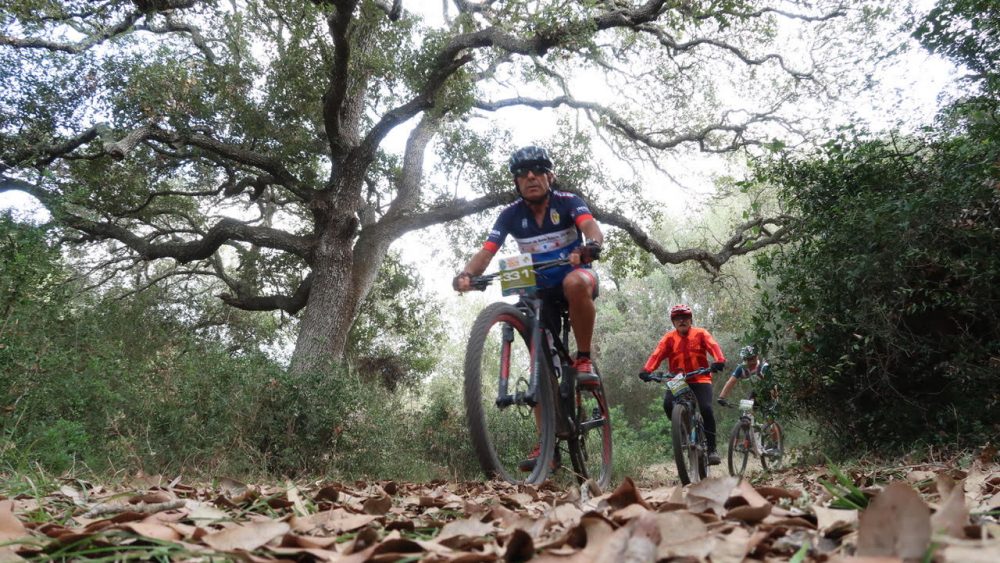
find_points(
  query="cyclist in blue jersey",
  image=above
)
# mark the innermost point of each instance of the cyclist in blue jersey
(549, 224)
(752, 368)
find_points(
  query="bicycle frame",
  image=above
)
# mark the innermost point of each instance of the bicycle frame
(575, 406)
(746, 417)
(550, 353)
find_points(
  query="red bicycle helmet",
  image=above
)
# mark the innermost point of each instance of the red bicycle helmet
(680, 311)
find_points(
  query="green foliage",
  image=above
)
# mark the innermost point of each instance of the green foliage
(103, 385)
(397, 333)
(968, 33)
(638, 446)
(443, 438)
(886, 309)
(845, 493)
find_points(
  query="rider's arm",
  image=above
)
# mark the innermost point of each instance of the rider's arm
(730, 383)
(479, 261)
(658, 354)
(713, 348)
(592, 231)
(476, 266)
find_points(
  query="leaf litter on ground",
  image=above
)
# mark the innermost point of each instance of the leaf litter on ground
(934, 513)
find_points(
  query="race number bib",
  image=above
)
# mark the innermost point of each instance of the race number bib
(517, 275)
(677, 386)
(746, 404)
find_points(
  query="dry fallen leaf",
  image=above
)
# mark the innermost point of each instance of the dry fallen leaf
(953, 515)
(635, 543)
(711, 494)
(896, 523)
(626, 494)
(466, 527)
(829, 519)
(246, 537)
(683, 535)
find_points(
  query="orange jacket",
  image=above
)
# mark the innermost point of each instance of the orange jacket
(686, 353)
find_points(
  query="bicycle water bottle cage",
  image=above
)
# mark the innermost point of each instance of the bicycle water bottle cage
(746, 404)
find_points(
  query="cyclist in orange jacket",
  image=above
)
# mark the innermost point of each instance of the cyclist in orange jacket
(686, 348)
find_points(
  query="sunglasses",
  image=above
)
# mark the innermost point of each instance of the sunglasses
(537, 170)
(681, 319)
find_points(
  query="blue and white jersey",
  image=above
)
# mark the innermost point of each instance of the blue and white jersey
(555, 238)
(763, 370)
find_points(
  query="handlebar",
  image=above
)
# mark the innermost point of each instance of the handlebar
(480, 283)
(660, 376)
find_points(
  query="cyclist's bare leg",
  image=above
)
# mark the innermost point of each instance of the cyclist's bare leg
(578, 286)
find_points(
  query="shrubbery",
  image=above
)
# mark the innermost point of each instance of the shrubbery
(884, 317)
(123, 385)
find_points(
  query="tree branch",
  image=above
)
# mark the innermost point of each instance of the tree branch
(121, 28)
(394, 10)
(451, 58)
(743, 241)
(668, 41)
(336, 92)
(623, 126)
(224, 231)
(174, 26)
(290, 304)
(455, 209)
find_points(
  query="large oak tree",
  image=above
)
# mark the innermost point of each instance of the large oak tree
(251, 140)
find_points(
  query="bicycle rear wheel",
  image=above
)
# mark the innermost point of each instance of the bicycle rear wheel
(503, 435)
(772, 438)
(740, 445)
(590, 448)
(685, 448)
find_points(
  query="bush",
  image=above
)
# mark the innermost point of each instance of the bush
(886, 309)
(124, 385)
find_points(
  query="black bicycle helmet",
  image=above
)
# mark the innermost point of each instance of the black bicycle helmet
(526, 157)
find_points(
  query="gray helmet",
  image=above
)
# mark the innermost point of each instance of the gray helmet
(529, 156)
(747, 352)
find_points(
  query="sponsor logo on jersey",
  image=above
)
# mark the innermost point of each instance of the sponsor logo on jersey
(554, 215)
(548, 241)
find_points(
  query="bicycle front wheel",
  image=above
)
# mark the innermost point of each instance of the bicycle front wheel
(772, 438)
(590, 448)
(512, 440)
(740, 444)
(685, 444)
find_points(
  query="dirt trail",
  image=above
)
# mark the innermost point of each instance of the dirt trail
(941, 509)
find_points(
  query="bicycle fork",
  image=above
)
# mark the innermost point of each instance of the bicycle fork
(504, 397)
(754, 431)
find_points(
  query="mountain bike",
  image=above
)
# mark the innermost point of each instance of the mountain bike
(687, 427)
(521, 391)
(750, 438)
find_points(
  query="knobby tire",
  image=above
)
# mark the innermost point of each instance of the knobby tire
(772, 460)
(480, 406)
(738, 457)
(590, 450)
(681, 420)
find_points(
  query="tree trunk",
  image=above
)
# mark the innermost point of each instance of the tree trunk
(332, 305)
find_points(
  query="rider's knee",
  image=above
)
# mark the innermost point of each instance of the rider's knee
(577, 286)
